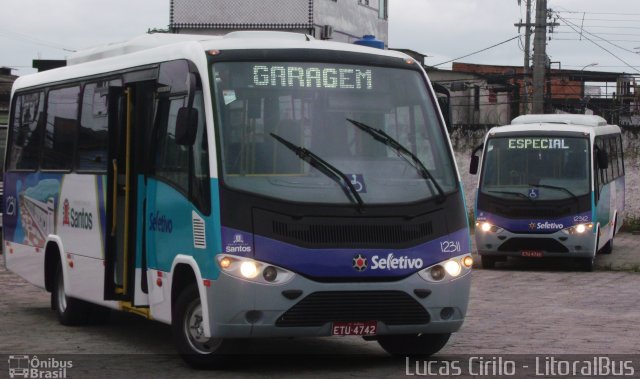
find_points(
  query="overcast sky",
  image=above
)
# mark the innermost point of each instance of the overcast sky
(442, 29)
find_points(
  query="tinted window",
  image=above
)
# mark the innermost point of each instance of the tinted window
(26, 131)
(174, 75)
(620, 155)
(264, 107)
(93, 132)
(3, 146)
(60, 131)
(172, 160)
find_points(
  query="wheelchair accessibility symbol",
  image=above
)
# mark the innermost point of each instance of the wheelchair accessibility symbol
(533, 193)
(358, 182)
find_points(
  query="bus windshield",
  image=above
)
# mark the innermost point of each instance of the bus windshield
(375, 126)
(536, 167)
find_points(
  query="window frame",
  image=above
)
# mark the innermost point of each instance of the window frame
(80, 85)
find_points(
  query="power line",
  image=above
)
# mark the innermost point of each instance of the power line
(37, 41)
(606, 13)
(573, 26)
(600, 19)
(479, 51)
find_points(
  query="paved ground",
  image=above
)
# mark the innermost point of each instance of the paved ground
(523, 307)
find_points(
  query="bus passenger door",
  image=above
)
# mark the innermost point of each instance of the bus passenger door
(125, 258)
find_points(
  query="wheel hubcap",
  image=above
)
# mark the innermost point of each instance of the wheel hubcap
(194, 330)
(62, 299)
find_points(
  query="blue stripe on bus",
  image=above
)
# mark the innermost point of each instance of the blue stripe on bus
(532, 224)
(340, 262)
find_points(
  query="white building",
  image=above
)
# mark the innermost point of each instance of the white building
(339, 20)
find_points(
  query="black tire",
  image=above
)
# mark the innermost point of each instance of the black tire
(70, 311)
(197, 351)
(587, 264)
(99, 315)
(423, 345)
(608, 247)
(488, 262)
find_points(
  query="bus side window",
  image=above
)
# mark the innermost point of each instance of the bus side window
(93, 131)
(26, 130)
(171, 159)
(613, 157)
(620, 154)
(200, 184)
(61, 128)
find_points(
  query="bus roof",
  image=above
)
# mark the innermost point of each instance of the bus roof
(540, 123)
(567, 119)
(154, 48)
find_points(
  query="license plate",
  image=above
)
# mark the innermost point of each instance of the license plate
(532, 253)
(365, 328)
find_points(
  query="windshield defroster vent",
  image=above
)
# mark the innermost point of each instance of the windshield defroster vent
(352, 234)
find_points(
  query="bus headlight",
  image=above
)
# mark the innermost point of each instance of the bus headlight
(453, 268)
(252, 270)
(577, 229)
(487, 227)
(449, 269)
(248, 269)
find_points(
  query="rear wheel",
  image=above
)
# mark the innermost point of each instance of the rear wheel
(188, 333)
(413, 344)
(70, 311)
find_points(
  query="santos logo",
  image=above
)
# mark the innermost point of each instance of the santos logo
(76, 219)
(238, 245)
(391, 263)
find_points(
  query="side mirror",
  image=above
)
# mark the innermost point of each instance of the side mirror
(473, 167)
(475, 160)
(603, 159)
(186, 126)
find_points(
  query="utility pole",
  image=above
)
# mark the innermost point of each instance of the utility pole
(540, 55)
(527, 58)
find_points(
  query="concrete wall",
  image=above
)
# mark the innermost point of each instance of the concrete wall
(465, 139)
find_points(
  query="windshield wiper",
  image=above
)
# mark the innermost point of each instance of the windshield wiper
(519, 194)
(325, 168)
(555, 188)
(382, 136)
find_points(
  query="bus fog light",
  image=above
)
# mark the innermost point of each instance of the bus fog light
(453, 268)
(485, 227)
(437, 272)
(249, 269)
(225, 263)
(270, 273)
(467, 261)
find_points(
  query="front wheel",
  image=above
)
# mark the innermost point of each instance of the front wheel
(188, 333)
(607, 248)
(413, 344)
(488, 262)
(587, 264)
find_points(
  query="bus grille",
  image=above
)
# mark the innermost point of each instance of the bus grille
(545, 244)
(390, 307)
(353, 234)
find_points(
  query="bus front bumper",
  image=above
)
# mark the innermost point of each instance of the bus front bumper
(557, 244)
(243, 309)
